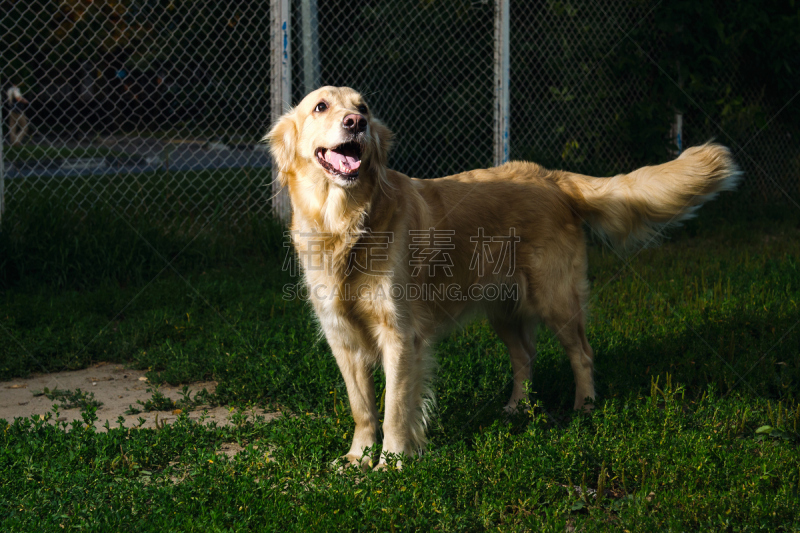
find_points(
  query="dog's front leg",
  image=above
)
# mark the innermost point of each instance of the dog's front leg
(407, 384)
(357, 373)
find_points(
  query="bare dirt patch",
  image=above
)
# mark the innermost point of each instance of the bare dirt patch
(116, 387)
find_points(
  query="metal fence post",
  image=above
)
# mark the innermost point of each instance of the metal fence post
(281, 88)
(311, 76)
(501, 81)
(676, 131)
(2, 164)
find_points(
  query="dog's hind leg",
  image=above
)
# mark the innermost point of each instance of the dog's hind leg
(567, 320)
(520, 338)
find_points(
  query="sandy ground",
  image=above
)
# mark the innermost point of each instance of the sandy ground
(114, 385)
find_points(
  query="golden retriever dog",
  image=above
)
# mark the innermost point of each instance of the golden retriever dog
(393, 263)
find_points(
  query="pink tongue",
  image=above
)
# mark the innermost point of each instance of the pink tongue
(353, 162)
(342, 161)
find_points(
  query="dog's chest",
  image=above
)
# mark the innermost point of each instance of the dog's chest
(348, 282)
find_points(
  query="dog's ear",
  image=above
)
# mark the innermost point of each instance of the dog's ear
(282, 140)
(382, 142)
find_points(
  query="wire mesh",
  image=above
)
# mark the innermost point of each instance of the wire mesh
(425, 68)
(767, 153)
(157, 106)
(566, 100)
(146, 106)
(596, 89)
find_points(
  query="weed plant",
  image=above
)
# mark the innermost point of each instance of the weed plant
(70, 399)
(695, 426)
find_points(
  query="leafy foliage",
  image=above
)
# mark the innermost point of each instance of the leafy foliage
(70, 399)
(696, 426)
(658, 462)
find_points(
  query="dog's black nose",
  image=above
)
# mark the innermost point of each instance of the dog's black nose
(355, 123)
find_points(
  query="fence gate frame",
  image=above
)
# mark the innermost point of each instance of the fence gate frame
(502, 74)
(281, 91)
(2, 162)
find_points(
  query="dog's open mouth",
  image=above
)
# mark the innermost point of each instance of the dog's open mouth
(344, 160)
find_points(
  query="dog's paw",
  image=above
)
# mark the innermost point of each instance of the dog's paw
(518, 407)
(383, 465)
(363, 462)
(586, 406)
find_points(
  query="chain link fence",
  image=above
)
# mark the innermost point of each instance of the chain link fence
(149, 107)
(426, 70)
(597, 88)
(568, 100)
(157, 106)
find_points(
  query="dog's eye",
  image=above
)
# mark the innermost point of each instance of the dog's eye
(321, 107)
(362, 109)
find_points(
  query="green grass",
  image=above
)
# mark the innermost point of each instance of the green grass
(174, 196)
(695, 428)
(32, 153)
(126, 227)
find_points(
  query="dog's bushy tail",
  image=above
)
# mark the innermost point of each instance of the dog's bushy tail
(631, 209)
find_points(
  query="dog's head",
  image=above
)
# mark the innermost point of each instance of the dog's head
(331, 136)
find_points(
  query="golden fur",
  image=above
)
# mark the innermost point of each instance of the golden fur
(335, 218)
